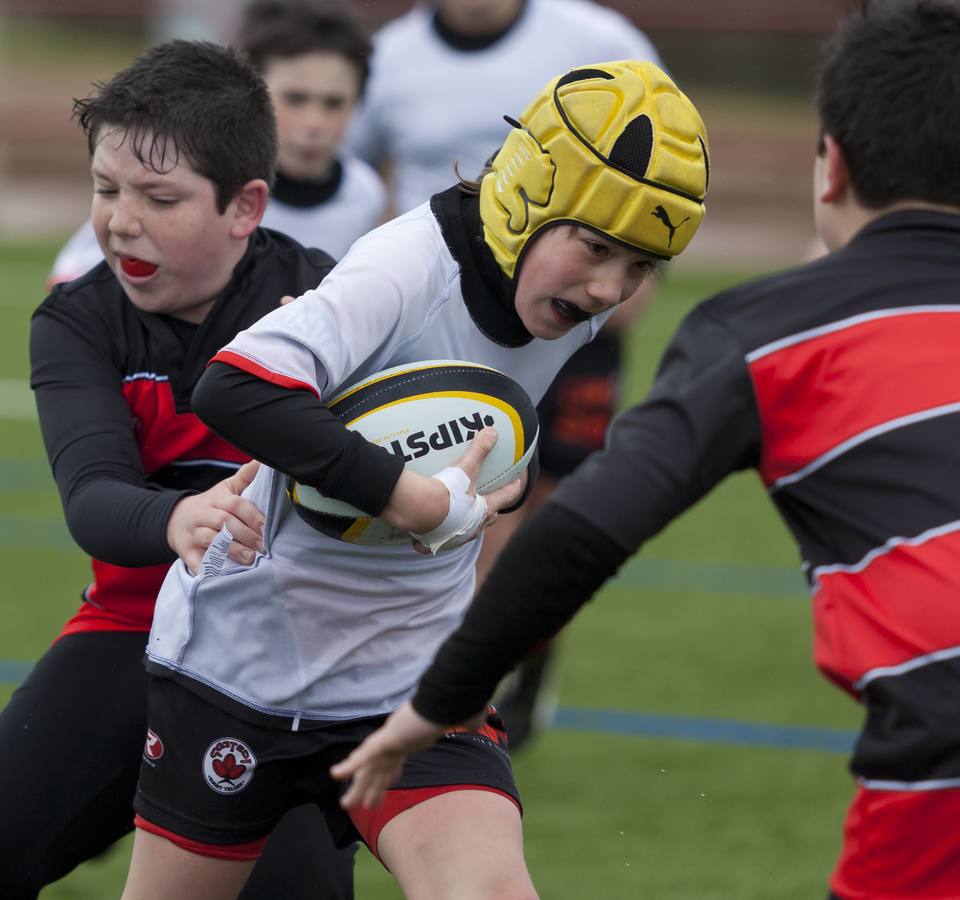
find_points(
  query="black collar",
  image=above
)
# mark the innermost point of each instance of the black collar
(468, 43)
(183, 330)
(912, 217)
(295, 192)
(487, 291)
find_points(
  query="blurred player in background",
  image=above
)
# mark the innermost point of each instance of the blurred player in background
(442, 75)
(314, 56)
(114, 358)
(291, 659)
(837, 381)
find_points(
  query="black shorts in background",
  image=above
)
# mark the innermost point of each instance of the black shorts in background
(579, 406)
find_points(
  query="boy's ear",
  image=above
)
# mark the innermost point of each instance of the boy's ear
(833, 179)
(248, 207)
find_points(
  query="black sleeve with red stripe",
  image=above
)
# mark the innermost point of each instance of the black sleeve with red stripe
(296, 434)
(111, 511)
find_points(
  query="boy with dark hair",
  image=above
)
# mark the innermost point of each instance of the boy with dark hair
(313, 56)
(280, 29)
(183, 146)
(838, 382)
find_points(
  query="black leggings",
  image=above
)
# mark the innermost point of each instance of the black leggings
(71, 740)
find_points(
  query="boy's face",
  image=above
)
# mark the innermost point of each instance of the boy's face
(162, 235)
(570, 274)
(313, 96)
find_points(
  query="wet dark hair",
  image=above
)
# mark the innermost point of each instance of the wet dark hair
(889, 94)
(192, 99)
(274, 29)
(471, 186)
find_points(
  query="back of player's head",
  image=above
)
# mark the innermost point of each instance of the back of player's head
(273, 29)
(614, 147)
(889, 95)
(192, 100)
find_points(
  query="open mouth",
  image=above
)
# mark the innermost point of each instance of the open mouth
(571, 311)
(136, 268)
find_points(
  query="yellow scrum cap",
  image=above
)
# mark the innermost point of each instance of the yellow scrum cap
(615, 147)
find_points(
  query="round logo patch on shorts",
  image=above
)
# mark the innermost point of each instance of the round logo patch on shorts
(228, 765)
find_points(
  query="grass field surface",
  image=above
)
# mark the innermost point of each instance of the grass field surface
(668, 781)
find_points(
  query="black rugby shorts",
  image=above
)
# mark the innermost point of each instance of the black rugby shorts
(211, 781)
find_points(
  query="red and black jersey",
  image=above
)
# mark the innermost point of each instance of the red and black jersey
(113, 387)
(836, 382)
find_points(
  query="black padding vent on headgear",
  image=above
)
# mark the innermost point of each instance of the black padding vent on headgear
(631, 152)
(581, 75)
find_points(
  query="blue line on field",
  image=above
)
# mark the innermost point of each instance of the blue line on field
(695, 728)
(25, 475)
(34, 533)
(714, 578)
(634, 724)
(30, 532)
(13, 671)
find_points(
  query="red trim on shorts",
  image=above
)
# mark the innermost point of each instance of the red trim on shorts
(235, 852)
(251, 368)
(370, 822)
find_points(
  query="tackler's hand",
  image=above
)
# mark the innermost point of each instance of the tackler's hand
(377, 763)
(195, 521)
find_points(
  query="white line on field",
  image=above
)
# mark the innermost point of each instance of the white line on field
(16, 400)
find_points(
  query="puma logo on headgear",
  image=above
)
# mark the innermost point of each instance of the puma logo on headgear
(523, 177)
(661, 214)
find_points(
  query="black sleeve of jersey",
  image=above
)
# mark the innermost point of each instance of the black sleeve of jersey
(111, 511)
(698, 424)
(294, 433)
(552, 566)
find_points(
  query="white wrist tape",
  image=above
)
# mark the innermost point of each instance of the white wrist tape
(464, 518)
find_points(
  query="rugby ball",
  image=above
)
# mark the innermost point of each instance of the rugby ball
(426, 413)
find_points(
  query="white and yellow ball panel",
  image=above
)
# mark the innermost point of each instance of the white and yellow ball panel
(426, 413)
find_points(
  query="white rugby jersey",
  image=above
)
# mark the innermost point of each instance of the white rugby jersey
(318, 629)
(357, 206)
(428, 105)
(353, 209)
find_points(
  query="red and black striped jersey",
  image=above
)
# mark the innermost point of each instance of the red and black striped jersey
(113, 387)
(836, 382)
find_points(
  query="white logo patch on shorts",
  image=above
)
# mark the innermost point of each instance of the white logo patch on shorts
(228, 765)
